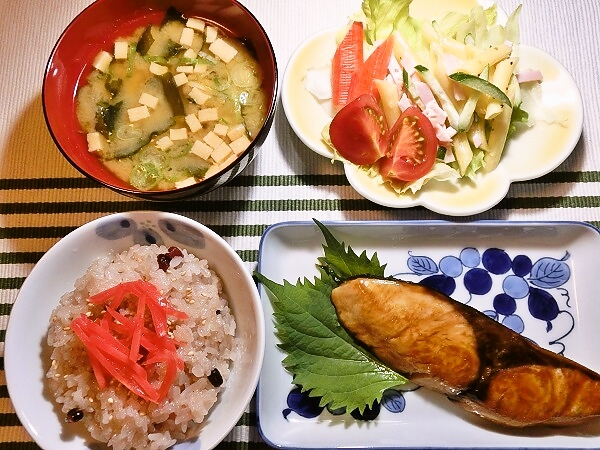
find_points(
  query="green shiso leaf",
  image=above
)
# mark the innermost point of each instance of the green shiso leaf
(321, 356)
(481, 85)
(342, 262)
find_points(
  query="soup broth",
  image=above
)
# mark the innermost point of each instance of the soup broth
(172, 104)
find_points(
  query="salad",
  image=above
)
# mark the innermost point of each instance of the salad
(416, 100)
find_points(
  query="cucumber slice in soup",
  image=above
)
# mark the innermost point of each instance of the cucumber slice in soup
(128, 138)
(179, 148)
(145, 176)
(186, 166)
(125, 141)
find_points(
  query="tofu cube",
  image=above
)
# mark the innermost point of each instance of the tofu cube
(221, 153)
(164, 142)
(185, 183)
(178, 134)
(187, 37)
(211, 34)
(211, 171)
(223, 50)
(208, 115)
(184, 69)
(240, 144)
(201, 149)
(190, 54)
(180, 79)
(121, 49)
(221, 129)
(102, 61)
(158, 69)
(198, 96)
(193, 123)
(96, 142)
(196, 24)
(149, 100)
(236, 131)
(212, 140)
(138, 113)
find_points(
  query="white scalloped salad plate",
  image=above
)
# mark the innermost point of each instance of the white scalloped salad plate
(530, 154)
(551, 263)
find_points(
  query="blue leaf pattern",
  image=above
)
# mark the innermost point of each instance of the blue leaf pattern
(393, 401)
(549, 273)
(422, 265)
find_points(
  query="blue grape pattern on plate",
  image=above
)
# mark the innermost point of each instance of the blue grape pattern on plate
(527, 294)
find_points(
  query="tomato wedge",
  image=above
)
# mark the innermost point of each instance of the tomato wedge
(374, 68)
(356, 130)
(347, 60)
(410, 147)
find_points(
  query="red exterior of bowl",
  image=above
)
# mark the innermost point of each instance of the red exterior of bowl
(95, 29)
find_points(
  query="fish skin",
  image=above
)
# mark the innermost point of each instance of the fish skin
(452, 348)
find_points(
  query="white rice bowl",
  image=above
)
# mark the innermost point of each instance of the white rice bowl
(206, 341)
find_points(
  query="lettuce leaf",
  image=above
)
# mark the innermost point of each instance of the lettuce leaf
(383, 17)
(320, 354)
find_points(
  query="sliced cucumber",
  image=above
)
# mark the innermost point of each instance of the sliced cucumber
(145, 176)
(186, 166)
(128, 138)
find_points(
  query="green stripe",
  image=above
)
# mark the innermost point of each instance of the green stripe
(21, 257)
(9, 420)
(59, 232)
(11, 283)
(239, 181)
(248, 419)
(19, 446)
(272, 205)
(248, 255)
(189, 206)
(34, 232)
(269, 180)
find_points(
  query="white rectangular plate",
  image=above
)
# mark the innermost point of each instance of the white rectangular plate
(557, 261)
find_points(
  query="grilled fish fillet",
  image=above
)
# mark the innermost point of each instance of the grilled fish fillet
(450, 347)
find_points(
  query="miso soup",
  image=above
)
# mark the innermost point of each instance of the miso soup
(172, 104)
